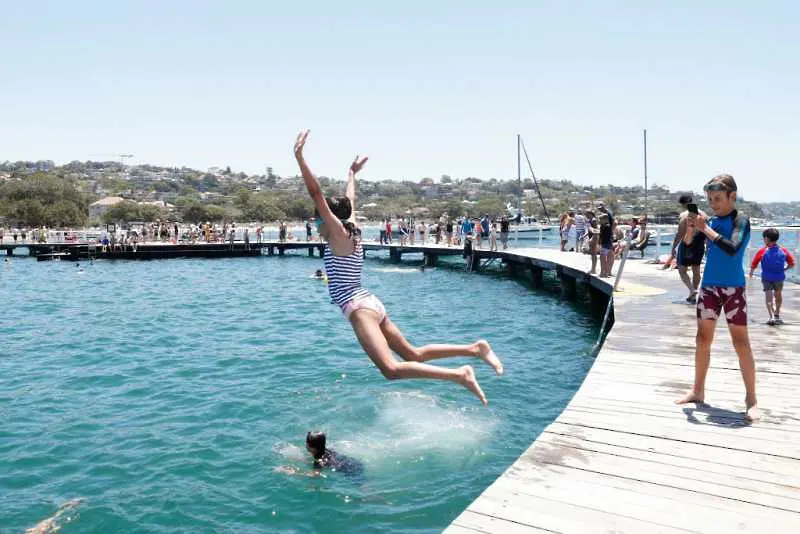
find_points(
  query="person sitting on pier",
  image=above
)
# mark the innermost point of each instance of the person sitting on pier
(378, 335)
(641, 239)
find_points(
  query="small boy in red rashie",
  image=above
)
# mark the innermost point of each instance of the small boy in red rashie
(775, 261)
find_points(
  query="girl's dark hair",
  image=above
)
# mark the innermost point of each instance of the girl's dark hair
(772, 234)
(316, 441)
(342, 209)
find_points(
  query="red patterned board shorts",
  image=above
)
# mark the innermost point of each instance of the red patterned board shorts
(713, 300)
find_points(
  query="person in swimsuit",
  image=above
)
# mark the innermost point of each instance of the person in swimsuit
(325, 458)
(723, 291)
(377, 334)
(689, 253)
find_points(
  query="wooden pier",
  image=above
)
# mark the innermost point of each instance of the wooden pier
(622, 458)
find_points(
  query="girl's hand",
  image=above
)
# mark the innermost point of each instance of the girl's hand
(300, 142)
(358, 164)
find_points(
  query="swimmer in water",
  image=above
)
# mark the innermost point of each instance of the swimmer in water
(324, 458)
(54, 523)
(378, 335)
(320, 275)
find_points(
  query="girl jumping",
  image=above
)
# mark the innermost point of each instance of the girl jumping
(378, 335)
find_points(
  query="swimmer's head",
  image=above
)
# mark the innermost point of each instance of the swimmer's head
(318, 274)
(315, 443)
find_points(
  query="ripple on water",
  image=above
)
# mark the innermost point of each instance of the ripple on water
(167, 393)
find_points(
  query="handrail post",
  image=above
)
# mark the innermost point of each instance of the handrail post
(658, 243)
(621, 264)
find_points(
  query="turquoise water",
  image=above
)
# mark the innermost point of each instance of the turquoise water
(167, 394)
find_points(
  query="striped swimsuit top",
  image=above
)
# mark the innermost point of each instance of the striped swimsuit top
(344, 275)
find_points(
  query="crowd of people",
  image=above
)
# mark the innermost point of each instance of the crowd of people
(447, 231)
(596, 232)
(20, 235)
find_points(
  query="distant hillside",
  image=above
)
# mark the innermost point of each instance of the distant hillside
(782, 212)
(223, 194)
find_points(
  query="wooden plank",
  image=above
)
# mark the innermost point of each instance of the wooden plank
(707, 415)
(661, 470)
(682, 431)
(667, 507)
(470, 522)
(500, 500)
(718, 361)
(786, 483)
(760, 464)
(715, 388)
(722, 379)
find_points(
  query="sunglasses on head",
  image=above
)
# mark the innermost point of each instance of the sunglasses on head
(718, 186)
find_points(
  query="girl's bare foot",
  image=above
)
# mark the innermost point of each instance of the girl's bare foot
(469, 381)
(752, 413)
(691, 397)
(486, 354)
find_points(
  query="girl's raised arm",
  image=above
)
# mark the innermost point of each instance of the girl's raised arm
(314, 188)
(350, 192)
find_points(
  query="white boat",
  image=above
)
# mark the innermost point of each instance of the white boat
(525, 228)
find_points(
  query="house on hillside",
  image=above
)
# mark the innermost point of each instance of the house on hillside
(97, 209)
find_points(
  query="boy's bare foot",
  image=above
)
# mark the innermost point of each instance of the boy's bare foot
(486, 354)
(691, 397)
(753, 413)
(469, 381)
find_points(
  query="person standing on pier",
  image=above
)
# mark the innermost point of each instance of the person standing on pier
(723, 288)
(775, 260)
(688, 255)
(378, 335)
(504, 224)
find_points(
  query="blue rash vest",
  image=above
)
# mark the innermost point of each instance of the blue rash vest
(725, 262)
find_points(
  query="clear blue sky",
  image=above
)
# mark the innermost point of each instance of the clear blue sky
(423, 88)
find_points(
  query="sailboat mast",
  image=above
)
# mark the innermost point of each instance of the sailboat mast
(519, 177)
(535, 182)
(645, 171)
